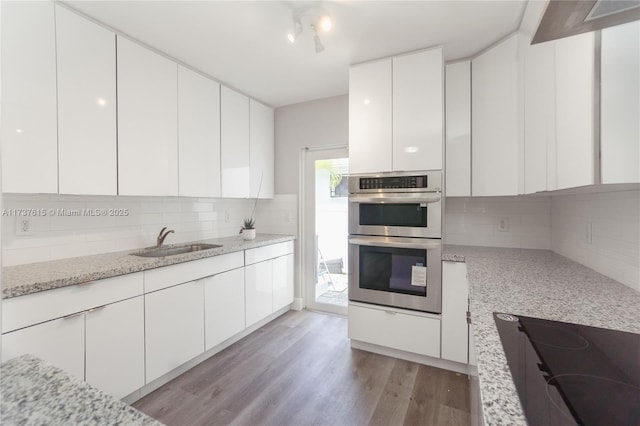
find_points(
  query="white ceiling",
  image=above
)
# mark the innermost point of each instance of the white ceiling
(243, 43)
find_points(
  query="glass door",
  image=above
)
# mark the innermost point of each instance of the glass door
(326, 230)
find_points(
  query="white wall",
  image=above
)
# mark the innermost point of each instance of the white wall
(310, 124)
(614, 250)
(474, 221)
(56, 236)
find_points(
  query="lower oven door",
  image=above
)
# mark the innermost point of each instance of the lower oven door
(395, 271)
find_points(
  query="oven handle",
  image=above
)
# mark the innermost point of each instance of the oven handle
(395, 199)
(384, 242)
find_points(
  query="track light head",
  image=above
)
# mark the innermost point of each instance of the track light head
(293, 34)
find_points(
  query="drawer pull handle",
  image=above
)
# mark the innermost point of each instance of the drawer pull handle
(97, 308)
(72, 315)
(391, 312)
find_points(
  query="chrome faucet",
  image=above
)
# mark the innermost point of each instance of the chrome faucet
(162, 235)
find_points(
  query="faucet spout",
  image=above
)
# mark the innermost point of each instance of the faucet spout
(162, 235)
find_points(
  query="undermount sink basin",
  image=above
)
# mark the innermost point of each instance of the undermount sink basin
(173, 250)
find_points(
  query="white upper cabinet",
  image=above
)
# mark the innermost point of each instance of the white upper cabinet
(86, 106)
(198, 134)
(29, 122)
(370, 109)
(496, 120)
(234, 130)
(539, 120)
(620, 104)
(574, 66)
(458, 124)
(261, 150)
(147, 122)
(418, 110)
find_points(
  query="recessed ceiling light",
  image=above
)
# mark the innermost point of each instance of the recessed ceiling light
(101, 101)
(326, 24)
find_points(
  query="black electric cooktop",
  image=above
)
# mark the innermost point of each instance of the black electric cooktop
(570, 374)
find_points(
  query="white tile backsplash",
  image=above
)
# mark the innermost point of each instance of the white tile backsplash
(56, 237)
(614, 249)
(474, 221)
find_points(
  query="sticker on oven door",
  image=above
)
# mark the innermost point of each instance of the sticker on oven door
(419, 276)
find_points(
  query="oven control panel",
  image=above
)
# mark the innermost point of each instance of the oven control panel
(394, 182)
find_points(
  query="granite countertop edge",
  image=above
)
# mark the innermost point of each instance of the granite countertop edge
(535, 283)
(35, 392)
(21, 280)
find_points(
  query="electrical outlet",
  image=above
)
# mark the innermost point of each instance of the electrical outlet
(23, 226)
(503, 224)
(227, 216)
(287, 216)
(588, 233)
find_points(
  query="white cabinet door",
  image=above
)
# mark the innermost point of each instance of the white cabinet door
(29, 115)
(258, 280)
(59, 342)
(458, 152)
(395, 329)
(234, 139)
(261, 150)
(370, 122)
(539, 119)
(223, 306)
(282, 281)
(574, 64)
(147, 122)
(198, 134)
(86, 106)
(418, 110)
(455, 301)
(620, 104)
(174, 327)
(115, 347)
(496, 120)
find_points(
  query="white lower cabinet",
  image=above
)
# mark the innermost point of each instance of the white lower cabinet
(59, 342)
(259, 291)
(114, 346)
(395, 329)
(283, 270)
(455, 301)
(174, 321)
(223, 306)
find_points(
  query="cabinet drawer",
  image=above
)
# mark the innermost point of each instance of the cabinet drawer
(22, 311)
(157, 279)
(261, 254)
(393, 329)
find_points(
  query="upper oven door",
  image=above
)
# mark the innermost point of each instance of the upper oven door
(396, 214)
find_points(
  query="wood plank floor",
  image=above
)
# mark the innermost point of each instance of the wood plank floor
(300, 370)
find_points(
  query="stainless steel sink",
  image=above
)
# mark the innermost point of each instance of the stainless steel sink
(173, 250)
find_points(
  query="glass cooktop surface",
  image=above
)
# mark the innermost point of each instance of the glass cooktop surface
(570, 374)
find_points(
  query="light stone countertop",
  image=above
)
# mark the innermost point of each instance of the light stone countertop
(30, 278)
(535, 283)
(37, 393)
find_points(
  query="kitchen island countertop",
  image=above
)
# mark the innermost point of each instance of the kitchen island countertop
(535, 283)
(35, 393)
(30, 278)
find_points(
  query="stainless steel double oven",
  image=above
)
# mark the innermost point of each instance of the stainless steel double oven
(395, 241)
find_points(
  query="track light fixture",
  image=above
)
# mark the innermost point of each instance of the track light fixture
(318, 21)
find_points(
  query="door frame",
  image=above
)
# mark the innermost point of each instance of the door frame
(306, 228)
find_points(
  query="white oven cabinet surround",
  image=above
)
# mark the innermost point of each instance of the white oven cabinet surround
(29, 114)
(455, 304)
(396, 109)
(86, 53)
(129, 334)
(234, 139)
(101, 325)
(496, 120)
(268, 280)
(147, 121)
(458, 125)
(198, 135)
